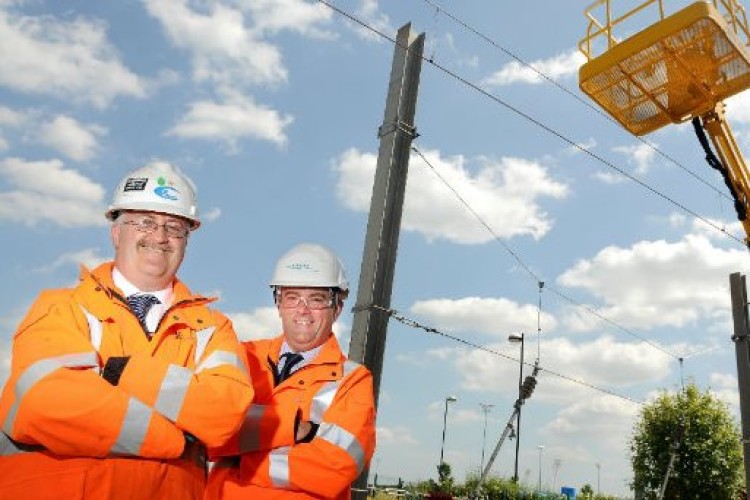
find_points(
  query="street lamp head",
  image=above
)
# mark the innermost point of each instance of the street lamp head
(515, 338)
(451, 399)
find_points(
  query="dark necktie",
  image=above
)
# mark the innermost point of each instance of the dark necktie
(140, 305)
(290, 359)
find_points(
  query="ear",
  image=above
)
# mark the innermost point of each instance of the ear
(114, 233)
(337, 311)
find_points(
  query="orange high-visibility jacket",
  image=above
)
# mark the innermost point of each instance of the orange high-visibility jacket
(331, 391)
(68, 433)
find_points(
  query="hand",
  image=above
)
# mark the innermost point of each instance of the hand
(303, 429)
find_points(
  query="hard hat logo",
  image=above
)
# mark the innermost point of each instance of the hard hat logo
(166, 192)
(310, 265)
(173, 193)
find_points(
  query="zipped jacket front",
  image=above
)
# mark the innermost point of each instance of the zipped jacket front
(69, 433)
(332, 392)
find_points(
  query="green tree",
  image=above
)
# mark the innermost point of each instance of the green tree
(587, 491)
(708, 455)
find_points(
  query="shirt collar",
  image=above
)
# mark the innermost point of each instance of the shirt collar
(128, 289)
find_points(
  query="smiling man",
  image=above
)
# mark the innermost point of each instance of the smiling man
(118, 384)
(311, 429)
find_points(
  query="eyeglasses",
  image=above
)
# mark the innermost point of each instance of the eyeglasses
(313, 302)
(173, 229)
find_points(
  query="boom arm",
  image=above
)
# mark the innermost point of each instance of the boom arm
(734, 167)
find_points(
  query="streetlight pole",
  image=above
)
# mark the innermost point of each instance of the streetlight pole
(449, 399)
(518, 338)
(539, 487)
(598, 476)
(486, 407)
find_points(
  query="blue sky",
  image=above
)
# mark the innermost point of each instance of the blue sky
(272, 108)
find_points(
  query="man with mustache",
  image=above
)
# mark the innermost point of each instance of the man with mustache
(311, 429)
(117, 385)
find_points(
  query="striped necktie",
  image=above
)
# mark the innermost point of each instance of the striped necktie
(290, 360)
(140, 305)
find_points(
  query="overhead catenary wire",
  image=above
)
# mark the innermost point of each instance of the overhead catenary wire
(496, 99)
(541, 125)
(575, 96)
(393, 313)
(531, 273)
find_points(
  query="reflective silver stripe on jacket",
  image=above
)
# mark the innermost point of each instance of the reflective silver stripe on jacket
(201, 342)
(249, 435)
(324, 397)
(171, 395)
(9, 447)
(95, 329)
(40, 369)
(338, 436)
(133, 429)
(279, 469)
(218, 358)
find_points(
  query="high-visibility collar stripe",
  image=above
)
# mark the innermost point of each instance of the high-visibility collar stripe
(40, 369)
(133, 429)
(279, 468)
(338, 436)
(172, 393)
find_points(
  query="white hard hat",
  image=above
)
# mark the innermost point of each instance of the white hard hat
(157, 187)
(310, 265)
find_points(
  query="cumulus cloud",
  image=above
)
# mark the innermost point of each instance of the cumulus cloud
(557, 67)
(641, 155)
(66, 59)
(224, 49)
(89, 257)
(656, 283)
(232, 120)
(493, 316)
(46, 190)
(272, 16)
(75, 140)
(738, 108)
(603, 362)
(504, 193)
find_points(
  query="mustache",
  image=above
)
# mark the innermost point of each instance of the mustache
(164, 247)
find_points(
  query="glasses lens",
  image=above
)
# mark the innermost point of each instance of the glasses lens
(147, 225)
(314, 302)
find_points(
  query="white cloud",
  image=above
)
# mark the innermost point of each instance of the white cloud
(211, 215)
(225, 51)
(655, 283)
(641, 155)
(505, 195)
(738, 108)
(602, 362)
(494, 316)
(229, 121)
(603, 416)
(71, 138)
(11, 118)
(262, 323)
(398, 435)
(557, 67)
(89, 257)
(67, 59)
(300, 16)
(48, 191)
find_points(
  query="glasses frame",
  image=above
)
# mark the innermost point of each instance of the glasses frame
(331, 301)
(146, 224)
